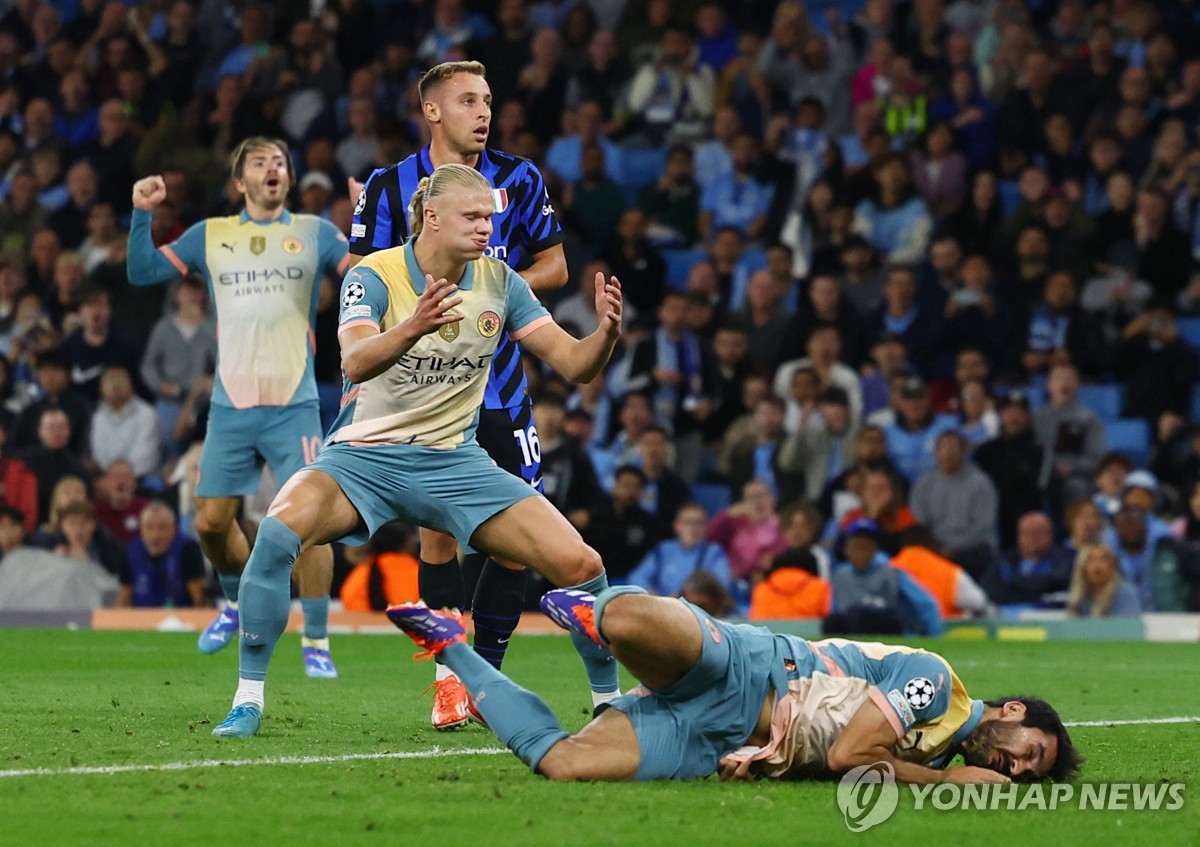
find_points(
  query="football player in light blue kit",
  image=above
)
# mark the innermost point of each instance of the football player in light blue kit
(263, 269)
(418, 327)
(746, 703)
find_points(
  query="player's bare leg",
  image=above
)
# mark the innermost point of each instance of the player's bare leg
(657, 639)
(536, 534)
(606, 750)
(310, 510)
(226, 546)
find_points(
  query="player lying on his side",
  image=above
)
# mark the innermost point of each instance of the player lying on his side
(744, 702)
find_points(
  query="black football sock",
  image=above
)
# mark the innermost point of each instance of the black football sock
(499, 599)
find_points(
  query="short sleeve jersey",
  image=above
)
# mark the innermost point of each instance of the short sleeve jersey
(264, 281)
(432, 395)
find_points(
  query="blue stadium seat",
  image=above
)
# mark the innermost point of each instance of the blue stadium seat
(1130, 436)
(754, 258)
(639, 167)
(329, 395)
(1189, 331)
(1104, 400)
(679, 262)
(712, 496)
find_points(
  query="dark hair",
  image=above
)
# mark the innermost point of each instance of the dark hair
(626, 470)
(550, 398)
(93, 292)
(13, 514)
(655, 429)
(237, 159)
(1041, 715)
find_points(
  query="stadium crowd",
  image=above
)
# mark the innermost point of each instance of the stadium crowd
(912, 290)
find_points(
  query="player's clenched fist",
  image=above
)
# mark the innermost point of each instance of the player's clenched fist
(149, 192)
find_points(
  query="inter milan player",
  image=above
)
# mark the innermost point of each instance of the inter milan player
(457, 100)
(263, 269)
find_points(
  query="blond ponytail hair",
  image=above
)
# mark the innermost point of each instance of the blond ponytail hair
(437, 183)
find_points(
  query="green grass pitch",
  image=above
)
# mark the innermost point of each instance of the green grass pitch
(93, 699)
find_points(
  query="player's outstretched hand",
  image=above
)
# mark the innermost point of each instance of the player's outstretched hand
(434, 306)
(608, 304)
(149, 192)
(732, 770)
(971, 775)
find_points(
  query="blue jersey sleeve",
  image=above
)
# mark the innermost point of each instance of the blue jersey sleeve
(524, 312)
(335, 257)
(363, 301)
(537, 214)
(374, 225)
(916, 687)
(146, 264)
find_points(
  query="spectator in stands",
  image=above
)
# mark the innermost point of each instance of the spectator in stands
(749, 532)
(791, 589)
(673, 366)
(594, 205)
(672, 203)
(671, 96)
(1097, 588)
(104, 245)
(1013, 460)
(1071, 437)
(1159, 244)
(801, 405)
(568, 478)
(664, 493)
(888, 364)
(939, 171)
(124, 425)
(897, 224)
(901, 315)
(385, 571)
(1085, 526)
(704, 591)
(767, 321)
(730, 369)
(826, 446)
(182, 347)
(911, 438)
(18, 487)
(12, 530)
(1146, 553)
(634, 260)
(1035, 570)
(583, 127)
(54, 382)
(809, 64)
(619, 528)
(62, 295)
(823, 303)
(1159, 368)
(801, 525)
(670, 563)
(1110, 483)
(52, 459)
(79, 538)
(97, 344)
(871, 597)
(881, 501)
(117, 503)
(1056, 331)
(738, 199)
(763, 454)
(20, 215)
(959, 505)
(166, 568)
(68, 490)
(824, 348)
(956, 593)
(112, 156)
(978, 420)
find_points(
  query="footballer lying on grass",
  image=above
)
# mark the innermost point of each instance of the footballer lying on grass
(744, 702)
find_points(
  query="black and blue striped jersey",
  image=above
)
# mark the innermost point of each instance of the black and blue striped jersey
(524, 225)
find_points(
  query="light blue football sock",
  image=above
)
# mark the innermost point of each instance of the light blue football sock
(518, 717)
(265, 596)
(230, 583)
(600, 665)
(316, 616)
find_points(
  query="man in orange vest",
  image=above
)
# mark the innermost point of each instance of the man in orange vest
(956, 593)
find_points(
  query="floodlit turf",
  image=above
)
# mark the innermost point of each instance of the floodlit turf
(88, 699)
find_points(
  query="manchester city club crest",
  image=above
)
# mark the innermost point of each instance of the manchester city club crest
(448, 331)
(258, 244)
(488, 324)
(292, 245)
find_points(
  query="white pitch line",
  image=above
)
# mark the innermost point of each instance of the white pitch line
(432, 753)
(1135, 721)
